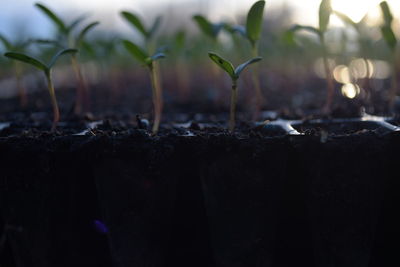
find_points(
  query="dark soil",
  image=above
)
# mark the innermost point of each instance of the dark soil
(103, 191)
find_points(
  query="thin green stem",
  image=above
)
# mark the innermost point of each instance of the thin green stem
(256, 82)
(157, 96)
(232, 120)
(366, 83)
(56, 111)
(23, 99)
(82, 101)
(329, 79)
(393, 88)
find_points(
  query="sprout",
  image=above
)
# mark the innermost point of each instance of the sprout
(363, 44)
(325, 11)
(9, 46)
(391, 41)
(47, 69)
(73, 42)
(208, 28)
(149, 61)
(147, 33)
(252, 32)
(234, 74)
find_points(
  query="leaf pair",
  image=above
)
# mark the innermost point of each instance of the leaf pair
(141, 55)
(252, 30)
(136, 22)
(37, 63)
(63, 28)
(207, 27)
(228, 67)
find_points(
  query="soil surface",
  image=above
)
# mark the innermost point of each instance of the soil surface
(103, 191)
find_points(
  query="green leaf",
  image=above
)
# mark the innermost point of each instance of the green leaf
(136, 52)
(224, 64)
(27, 59)
(47, 42)
(84, 31)
(346, 19)
(155, 26)
(205, 26)
(254, 21)
(241, 67)
(59, 54)
(325, 10)
(51, 15)
(296, 28)
(135, 22)
(387, 13)
(6, 43)
(389, 36)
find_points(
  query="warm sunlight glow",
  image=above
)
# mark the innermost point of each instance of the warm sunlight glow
(350, 90)
(355, 9)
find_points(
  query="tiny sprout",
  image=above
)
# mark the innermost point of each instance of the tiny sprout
(207, 27)
(47, 69)
(325, 11)
(9, 46)
(136, 23)
(149, 61)
(252, 32)
(73, 42)
(234, 74)
(391, 41)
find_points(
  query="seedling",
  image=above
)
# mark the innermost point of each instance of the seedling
(147, 33)
(208, 28)
(234, 74)
(73, 42)
(363, 43)
(9, 46)
(252, 32)
(325, 11)
(149, 61)
(47, 69)
(391, 40)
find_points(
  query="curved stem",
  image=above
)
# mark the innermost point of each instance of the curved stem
(393, 87)
(82, 101)
(23, 99)
(157, 96)
(232, 120)
(256, 82)
(329, 79)
(56, 111)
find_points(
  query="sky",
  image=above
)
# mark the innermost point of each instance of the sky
(21, 17)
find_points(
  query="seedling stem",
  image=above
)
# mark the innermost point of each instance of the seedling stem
(54, 104)
(232, 120)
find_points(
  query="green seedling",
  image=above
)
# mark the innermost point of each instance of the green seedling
(391, 41)
(148, 33)
(325, 11)
(363, 43)
(9, 46)
(208, 28)
(252, 32)
(234, 74)
(47, 69)
(72, 41)
(149, 61)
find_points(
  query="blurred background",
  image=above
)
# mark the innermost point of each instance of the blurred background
(291, 73)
